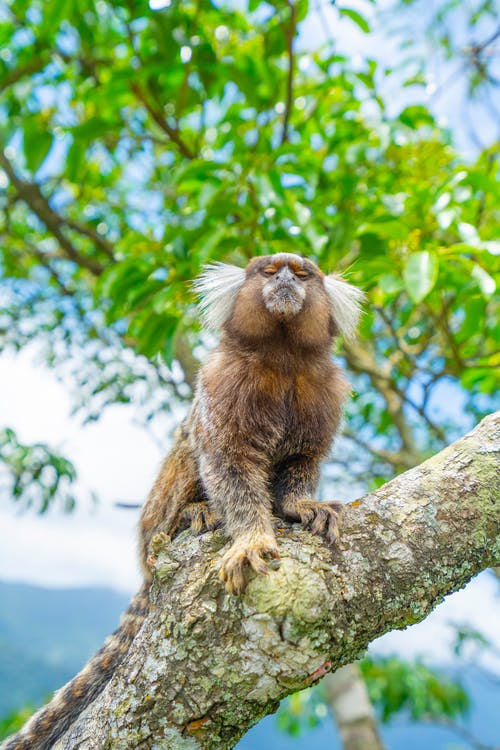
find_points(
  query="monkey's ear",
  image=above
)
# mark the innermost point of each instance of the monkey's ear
(345, 304)
(217, 287)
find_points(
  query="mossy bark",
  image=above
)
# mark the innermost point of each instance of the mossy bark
(206, 665)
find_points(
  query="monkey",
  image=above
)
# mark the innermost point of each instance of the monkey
(267, 405)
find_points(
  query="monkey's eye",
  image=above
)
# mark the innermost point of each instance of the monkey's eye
(302, 274)
(270, 271)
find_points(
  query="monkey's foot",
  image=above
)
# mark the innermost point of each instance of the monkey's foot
(322, 519)
(199, 517)
(243, 553)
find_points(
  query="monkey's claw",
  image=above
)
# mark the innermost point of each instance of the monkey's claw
(199, 518)
(245, 553)
(322, 519)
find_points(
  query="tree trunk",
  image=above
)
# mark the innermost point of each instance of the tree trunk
(351, 707)
(206, 666)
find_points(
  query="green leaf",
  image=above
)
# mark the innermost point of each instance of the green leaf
(357, 18)
(420, 275)
(169, 331)
(36, 143)
(399, 687)
(92, 128)
(75, 161)
(391, 284)
(415, 116)
(474, 309)
(389, 227)
(55, 12)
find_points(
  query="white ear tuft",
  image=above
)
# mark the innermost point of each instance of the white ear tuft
(345, 304)
(217, 287)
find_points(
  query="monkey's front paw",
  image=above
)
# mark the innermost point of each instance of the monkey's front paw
(244, 553)
(322, 519)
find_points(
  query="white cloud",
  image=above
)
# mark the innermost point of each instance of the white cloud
(114, 457)
(81, 549)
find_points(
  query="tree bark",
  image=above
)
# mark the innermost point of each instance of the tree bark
(206, 665)
(352, 709)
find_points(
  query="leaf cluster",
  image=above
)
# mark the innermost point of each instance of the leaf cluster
(413, 689)
(408, 690)
(34, 474)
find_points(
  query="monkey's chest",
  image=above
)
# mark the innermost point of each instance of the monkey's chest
(304, 425)
(270, 412)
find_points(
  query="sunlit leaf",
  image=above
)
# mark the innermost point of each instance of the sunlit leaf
(485, 281)
(420, 275)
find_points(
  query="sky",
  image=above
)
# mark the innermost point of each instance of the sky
(114, 457)
(118, 460)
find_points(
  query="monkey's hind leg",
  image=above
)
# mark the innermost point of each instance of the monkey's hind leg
(176, 487)
(199, 517)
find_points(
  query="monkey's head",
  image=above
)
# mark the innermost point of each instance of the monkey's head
(278, 291)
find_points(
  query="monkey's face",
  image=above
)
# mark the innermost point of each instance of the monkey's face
(282, 294)
(285, 281)
(276, 293)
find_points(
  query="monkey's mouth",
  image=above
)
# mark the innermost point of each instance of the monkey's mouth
(283, 300)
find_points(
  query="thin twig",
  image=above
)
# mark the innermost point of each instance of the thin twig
(172, 132)
(396, 460)
(90, 232)
(15, 75)
(290, 35)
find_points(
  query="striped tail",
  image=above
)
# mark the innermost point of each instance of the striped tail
(51, 721)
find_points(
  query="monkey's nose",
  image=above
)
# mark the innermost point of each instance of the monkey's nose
(284, 274)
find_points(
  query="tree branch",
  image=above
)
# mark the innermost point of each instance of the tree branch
(16, 74)
(206, 666)
(396, 460)
(30, 193)
(185, 357)
(350, 704)
(157, 115)
(290, 35)
(361, 360)
(93, 235)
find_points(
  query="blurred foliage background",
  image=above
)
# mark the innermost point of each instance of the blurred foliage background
(138, 142)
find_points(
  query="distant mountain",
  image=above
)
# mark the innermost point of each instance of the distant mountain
(47, 635)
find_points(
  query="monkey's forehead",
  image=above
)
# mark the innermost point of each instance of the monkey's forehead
(296, 263)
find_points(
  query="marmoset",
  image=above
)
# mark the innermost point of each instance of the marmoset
(267, 405)
(266, 408)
